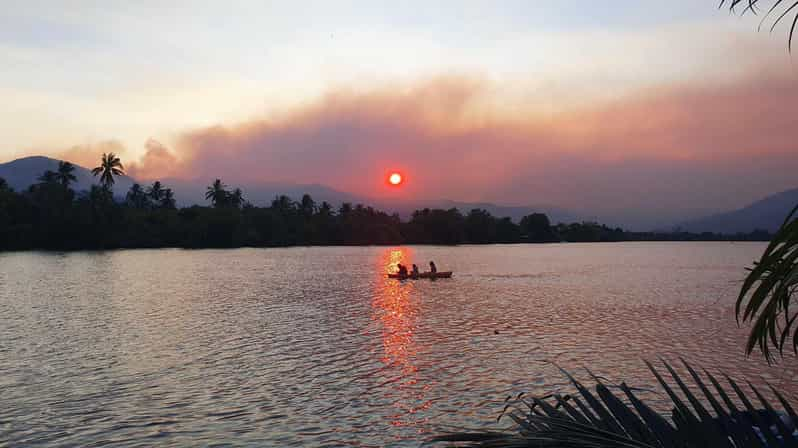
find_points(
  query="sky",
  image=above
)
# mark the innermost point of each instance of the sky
(645, 109)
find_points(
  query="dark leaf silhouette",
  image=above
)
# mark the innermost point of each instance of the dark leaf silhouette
(601, 418)
(64, 175)
(110, 166)
(774, 11)
(768, 292)
(217, 193)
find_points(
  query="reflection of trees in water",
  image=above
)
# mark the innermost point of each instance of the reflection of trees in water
(397, 312)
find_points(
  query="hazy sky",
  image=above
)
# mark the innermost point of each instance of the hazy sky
(630, 104)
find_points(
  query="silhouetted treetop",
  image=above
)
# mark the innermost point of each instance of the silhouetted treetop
(65, 174)
(110, 166)
(50, 216)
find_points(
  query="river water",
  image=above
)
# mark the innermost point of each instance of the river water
(315, 347)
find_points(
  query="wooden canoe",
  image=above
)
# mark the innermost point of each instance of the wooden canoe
(429, 275)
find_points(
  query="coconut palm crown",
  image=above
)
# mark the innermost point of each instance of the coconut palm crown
(110, 166)
(64, 175)
(768, 292)
(168, 200)
(217, 193)
(155, 192)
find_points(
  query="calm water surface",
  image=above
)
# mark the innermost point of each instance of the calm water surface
(314, 346)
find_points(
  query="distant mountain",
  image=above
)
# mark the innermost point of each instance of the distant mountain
(766, 214)
(24, 172)
(21, 173)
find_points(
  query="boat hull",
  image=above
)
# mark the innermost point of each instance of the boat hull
(429, 275)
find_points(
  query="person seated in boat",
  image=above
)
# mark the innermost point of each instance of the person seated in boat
(402, 270)
(432, 268)
(414, 273)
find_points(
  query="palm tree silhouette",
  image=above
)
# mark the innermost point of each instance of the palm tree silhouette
(136, 197)
(217, 193)
(110, 166)
(237, 198)
(771, 287)
(64, 174)
(155, 192)
(778, 9)
(4, 185)
(48, 176)
(282, 203)
(168, 199)
(308, 205)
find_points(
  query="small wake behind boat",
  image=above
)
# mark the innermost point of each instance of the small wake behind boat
(429, 275)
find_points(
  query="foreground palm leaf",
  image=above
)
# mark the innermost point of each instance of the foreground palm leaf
(768, 292)
(717, 417)
(775, 10)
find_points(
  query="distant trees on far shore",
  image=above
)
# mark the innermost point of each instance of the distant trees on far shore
(50, 215)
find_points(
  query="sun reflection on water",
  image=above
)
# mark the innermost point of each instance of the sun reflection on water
(396, 309)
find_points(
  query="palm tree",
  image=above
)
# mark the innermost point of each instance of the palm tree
(283, 204)
(606, 420)
(308, 205)
(48, 177)
(168, 200)
(4, 185)
(776, 10)
(50, 192)
(110, 166)
(217, 193)
(603, 419)
(155, 192)
(136, 197)
(325, 208)
(768, 292)
(100, 198)
(237, 198)
(64, 174)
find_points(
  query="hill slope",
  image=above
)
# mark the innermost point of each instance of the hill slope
(766, 214)
(24, 172)
(21, 173)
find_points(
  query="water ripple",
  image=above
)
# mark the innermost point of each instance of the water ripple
(314, 346)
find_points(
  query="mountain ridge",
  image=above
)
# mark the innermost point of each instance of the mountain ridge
(23, 172)
(767, 213)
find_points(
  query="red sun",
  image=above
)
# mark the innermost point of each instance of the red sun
(395, 179)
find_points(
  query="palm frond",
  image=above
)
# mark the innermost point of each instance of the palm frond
(700, 417)
(777, 12)
(768, 292)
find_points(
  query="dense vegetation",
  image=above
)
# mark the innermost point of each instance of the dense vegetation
(50, 215)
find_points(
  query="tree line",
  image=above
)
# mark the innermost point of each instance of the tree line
(51, 215)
